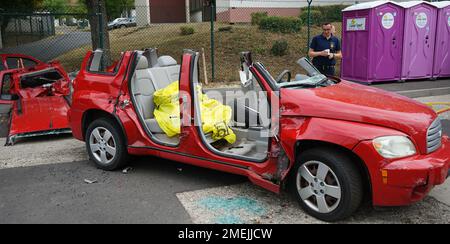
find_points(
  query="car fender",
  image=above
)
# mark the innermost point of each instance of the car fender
(340, 133)
(88, 101)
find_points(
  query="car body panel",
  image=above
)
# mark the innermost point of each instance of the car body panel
(357, 103)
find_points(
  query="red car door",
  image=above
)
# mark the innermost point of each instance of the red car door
(6, 101)
(40, 107)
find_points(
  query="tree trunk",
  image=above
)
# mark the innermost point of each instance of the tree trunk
(3, 26)
(94, 7)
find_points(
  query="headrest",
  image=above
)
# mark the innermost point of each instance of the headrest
(142, 63)
(152, 56)
(165, 61)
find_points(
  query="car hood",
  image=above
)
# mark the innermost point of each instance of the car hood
(354, 102)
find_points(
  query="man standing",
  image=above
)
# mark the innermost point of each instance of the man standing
(324, 50)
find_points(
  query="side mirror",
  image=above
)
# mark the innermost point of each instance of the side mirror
(9, 97)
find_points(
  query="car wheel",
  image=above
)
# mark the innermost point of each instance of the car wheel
(327, 184)
(105, 145)
(123, 26)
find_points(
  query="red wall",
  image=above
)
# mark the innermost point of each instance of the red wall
(167, 11)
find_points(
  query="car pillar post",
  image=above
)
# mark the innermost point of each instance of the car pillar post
(309, 26)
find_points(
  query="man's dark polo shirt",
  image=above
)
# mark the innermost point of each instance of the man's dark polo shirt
(320, 43)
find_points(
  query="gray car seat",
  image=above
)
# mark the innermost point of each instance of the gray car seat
(165, 72)
(143, 90)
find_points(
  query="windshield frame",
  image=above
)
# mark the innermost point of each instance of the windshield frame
(315, 78)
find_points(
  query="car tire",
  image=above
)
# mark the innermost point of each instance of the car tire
(331, 196)
(106, 145)
(123, 27)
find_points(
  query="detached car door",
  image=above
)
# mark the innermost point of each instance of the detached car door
(6, 101)
(41, 106)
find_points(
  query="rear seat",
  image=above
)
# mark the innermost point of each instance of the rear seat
(147, 81)
(164, 72)
(143, 90)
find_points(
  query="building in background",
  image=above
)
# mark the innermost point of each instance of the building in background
(232, 11)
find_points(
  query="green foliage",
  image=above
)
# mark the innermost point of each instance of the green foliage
(279, 48)
(226, 28)
(329, 13)
(280, 24)
(256, 17)
(20, 5)
(54, 6)
(187, 30)
(316, 17)
(115, 8)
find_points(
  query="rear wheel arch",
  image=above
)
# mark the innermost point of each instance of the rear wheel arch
(91, 115)
(304, 145)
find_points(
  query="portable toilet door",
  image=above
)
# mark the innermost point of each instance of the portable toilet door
(419, 40)
(442, 47)
(372, 42)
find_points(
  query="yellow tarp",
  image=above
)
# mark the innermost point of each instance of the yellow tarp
(215, 116)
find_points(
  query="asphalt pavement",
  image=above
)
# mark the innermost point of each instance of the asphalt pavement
(52, 47)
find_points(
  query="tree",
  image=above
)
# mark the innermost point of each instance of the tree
(116, 7)
(16, 6)
(99, 40)
(54, 6)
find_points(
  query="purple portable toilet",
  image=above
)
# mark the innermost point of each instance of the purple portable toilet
(418, 40)
(372, 42)
(442, 48)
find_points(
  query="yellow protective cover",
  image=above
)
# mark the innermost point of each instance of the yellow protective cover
(215, 116)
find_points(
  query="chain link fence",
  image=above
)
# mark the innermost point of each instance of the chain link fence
(220, 29)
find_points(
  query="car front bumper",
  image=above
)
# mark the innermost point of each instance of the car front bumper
(404, 181)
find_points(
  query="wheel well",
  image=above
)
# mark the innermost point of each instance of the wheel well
(304, 145)
(94, 114)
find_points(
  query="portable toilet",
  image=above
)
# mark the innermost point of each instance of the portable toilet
(372, 41)
(442, 48)
(418, 40)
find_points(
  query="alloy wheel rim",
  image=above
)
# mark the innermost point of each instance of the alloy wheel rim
(318, 187)
(103, 145)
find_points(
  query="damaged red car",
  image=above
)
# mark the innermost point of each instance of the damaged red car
(35, 95)
(334, 143)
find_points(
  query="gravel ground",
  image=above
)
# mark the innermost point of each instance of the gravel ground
(41, 150)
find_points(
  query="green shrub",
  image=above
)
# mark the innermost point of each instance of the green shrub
(330, 13)
(226, 28)
(256, 17)
(187, 30)
(281, 24)
(279, 48)
(316, 17)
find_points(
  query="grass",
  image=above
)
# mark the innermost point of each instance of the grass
(228, 44)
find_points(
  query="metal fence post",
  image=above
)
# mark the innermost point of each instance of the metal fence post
(100, 26)
(213, 12)
(309, 26)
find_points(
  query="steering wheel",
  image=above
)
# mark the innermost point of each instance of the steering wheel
(284, 73)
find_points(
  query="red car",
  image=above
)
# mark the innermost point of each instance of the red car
(35, 94)
(335, 142)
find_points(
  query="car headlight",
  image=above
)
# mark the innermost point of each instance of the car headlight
(394, 146)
